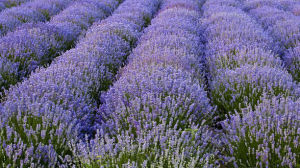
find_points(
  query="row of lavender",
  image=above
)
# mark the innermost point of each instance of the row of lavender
(284, 26)
(157, 112)
(251, 88)
(292, 6)
(30, 12)
(34, 45)
(57, 104)
(154, 114)
(4, 4)
(239, 60)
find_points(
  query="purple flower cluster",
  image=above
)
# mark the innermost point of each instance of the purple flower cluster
(58, 103)
(252, 4)
(284, 27)
(30, 12)
(10, 3)
(250, 86)
(34, 45)
(287, 5)
(149, 83)
(164, 77)
(239, 60)
(155, 146)
(291, 6)
(2, 6)
(266, 137)
(156, 110)
(296, 10)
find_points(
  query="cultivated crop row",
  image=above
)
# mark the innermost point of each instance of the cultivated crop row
(30, 12)
(154, 114)
(285, 29)
(292, 6)
(57, 104)
(4, 4)
(241, 66)
(251, 89)
(150, 83)
(34, 45)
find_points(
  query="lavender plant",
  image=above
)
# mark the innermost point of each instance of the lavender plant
(248, 5)
(237, 58)
(149, 83)
(153, 93)
(158, 145)
(296, 10)
(2, 6)
(240, 63)
(254, 93)
(284, 27)
(160, 88)
(233, 90)
(35, 141)
(30, 12)
(11, 3)
(286, 5)
(265, 137)
(66, 93)
(292, 60)
(49, 8)
(35, 45)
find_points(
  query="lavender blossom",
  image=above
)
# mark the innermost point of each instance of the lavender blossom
(30, 12)
(240, 61)
(35, 45)
(152, 80)
(265, 137)
(158, 145)
(158, 88)
(64, 97)
(248, 5)
(284, 26)
(234, 89)
(153, 93)
(10, 3)
(292, 61)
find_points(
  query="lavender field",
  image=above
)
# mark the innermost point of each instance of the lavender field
(149, 83)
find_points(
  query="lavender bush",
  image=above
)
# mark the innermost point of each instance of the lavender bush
(286, 5)
(284, 27)
(30, 12)
(154, 93)
(157, 99)
(10, 3)
(35, 45)
(253, 92)
(232, 90)
(65, 93)
(149, 83)
(265, 137)
(158, 145)
(240, 52)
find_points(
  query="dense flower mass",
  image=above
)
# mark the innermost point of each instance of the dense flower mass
(149, 83)
(253, 91)
(4, 4)
(66, 92)
(34, 45)
(30, 12)
(241, 61)
(160, 90)
(284, 27)
(265, 137)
